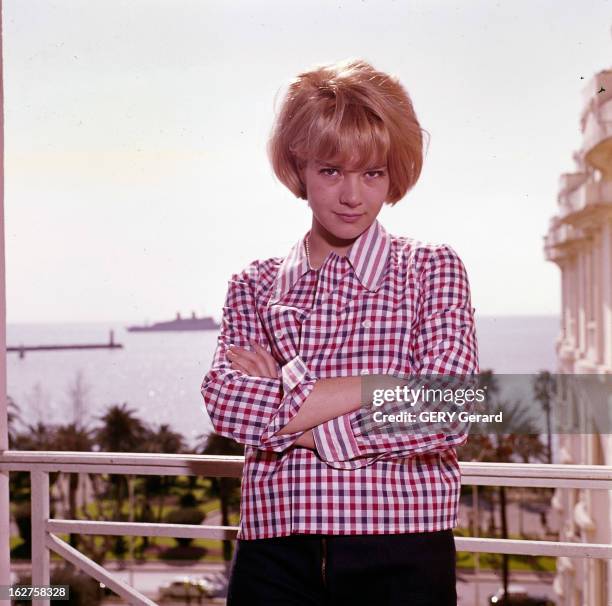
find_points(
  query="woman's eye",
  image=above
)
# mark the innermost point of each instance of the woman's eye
(333, 172)
(329, 171)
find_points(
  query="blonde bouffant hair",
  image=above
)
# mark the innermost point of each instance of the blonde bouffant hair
(347, 110)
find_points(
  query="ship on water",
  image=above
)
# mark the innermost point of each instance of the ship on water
(193, 323)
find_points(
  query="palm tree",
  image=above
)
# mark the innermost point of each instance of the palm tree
(226, 489)
(12, 416)
(121, 431)
(159, 440)
(72, 437)
(502, 444)
(528, 448)
(545, 389)
(164, 440)
(36, 437)
(39, 436)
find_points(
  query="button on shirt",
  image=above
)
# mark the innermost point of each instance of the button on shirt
(392, 305)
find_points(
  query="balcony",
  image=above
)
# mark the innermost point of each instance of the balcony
(45, 530)
(593, 100)
(591, 97)
(596, 125)
(559, 239)
(588, 196)
(568, 182)
(597, 138)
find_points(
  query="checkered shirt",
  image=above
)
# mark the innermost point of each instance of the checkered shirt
(392, 305)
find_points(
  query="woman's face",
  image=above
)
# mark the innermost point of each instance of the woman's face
(344, 202)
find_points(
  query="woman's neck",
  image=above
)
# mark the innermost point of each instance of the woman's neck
(319, 247)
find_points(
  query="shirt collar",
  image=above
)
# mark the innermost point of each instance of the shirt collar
(367, 256)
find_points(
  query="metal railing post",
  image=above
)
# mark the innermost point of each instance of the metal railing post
(41, 556)
(476, 533)
(5, 509)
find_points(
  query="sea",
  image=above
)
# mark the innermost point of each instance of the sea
(158, 374)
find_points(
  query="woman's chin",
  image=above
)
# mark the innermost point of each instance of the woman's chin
(350, 230)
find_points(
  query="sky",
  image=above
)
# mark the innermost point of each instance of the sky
(136, 176)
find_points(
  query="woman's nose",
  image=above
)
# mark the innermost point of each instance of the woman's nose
(350, 190)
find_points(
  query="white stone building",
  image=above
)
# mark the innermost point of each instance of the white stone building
(579, 241)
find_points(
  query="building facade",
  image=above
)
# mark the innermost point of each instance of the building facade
(579, 241)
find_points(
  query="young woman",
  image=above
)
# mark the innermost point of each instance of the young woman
(332, 513)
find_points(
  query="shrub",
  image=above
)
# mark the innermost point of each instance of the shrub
(186, 515)
(84, 591)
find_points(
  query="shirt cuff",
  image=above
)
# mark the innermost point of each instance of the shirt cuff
(335, 439)
(298, 382)
(293, 373)
(337, 446)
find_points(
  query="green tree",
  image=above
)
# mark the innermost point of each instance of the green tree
(544, 390)
(36, 437)
(503, 444)
(74, 438)
(185, 514)
(226, 489)
(39, 436)
(161, 439)
(13, 416)
(121, 431)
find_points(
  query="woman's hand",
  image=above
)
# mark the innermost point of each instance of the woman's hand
(256, 363)
(260, 363)
(306, 440)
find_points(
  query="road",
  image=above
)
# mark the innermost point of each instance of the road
(489, 583)
(148, 577)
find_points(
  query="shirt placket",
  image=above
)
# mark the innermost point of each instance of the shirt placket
(319, 325)
(314, 331)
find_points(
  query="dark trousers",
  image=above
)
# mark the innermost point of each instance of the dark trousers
(416, 569)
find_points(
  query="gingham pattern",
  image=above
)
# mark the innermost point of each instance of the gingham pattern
(391, 306)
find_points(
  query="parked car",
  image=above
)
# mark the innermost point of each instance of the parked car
(185, 587)
(217, 583)
(518, 596)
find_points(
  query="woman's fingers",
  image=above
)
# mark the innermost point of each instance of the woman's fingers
(251, 361)
(259, 362)
(236, 366)
(239, 362)
(247, 367)
(268, 359)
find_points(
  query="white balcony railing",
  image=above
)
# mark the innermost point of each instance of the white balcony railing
(45, 530)
(589, 194)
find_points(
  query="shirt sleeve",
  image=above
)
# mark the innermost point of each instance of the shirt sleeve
(247, 409)
(443, 342)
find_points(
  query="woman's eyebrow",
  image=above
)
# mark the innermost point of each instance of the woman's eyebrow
(331, 165)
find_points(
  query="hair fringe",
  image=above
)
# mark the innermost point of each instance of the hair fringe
(347, 112)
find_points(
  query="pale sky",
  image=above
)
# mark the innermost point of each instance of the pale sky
(136, 175)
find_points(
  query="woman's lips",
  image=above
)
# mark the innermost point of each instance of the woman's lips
(349, 218)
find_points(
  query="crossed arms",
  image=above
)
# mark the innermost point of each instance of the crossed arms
(254, 401)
